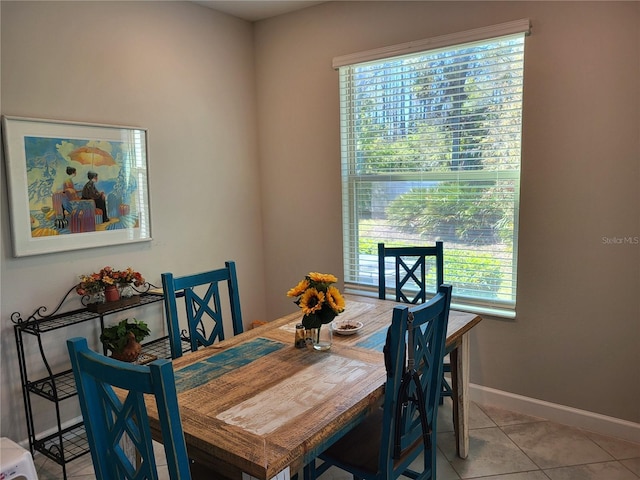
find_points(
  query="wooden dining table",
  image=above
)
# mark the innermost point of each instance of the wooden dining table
(256, 407)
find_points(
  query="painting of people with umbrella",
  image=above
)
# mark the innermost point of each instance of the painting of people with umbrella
(83, 182)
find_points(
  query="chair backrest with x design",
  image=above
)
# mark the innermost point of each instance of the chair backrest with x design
(204, 309)
(111, 422)
(412, 276)
(413, 356)
(412, 271)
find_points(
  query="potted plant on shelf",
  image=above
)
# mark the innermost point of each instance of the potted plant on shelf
(123, 339)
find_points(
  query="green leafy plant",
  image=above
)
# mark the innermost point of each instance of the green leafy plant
(467, 213)
(116, 337)
(471, 273)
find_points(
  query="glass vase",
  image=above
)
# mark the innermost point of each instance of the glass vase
(97, 297)
(127, 291)
(319, 338)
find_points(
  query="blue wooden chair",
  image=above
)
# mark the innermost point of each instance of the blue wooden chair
(108, 420)
(203, 307)
(389, 440)
(411, 281)
(411, 270)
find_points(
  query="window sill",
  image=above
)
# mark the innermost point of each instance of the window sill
(489, 311)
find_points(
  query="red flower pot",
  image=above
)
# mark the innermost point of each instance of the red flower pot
(111, 293)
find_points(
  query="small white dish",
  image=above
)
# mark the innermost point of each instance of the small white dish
(346, 327)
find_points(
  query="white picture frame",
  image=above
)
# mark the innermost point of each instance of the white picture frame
(46, 204)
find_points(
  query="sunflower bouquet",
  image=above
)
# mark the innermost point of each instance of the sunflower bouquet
(318, 299)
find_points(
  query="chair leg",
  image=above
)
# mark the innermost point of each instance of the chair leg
(453, 357)
(446, 390)
(310, 470)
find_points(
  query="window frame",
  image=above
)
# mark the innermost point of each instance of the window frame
(350, 178)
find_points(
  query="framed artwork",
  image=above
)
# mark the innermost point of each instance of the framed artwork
(75, 185)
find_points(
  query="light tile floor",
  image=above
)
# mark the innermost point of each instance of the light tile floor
(503, 446)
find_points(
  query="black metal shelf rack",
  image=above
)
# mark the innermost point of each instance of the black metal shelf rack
(70, 442)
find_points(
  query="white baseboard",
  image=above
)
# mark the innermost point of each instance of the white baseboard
(594, 422)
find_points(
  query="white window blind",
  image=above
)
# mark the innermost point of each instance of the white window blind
(431, 151)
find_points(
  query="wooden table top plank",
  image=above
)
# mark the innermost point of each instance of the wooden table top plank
(254, 403)
(459, 324)
(198, 374)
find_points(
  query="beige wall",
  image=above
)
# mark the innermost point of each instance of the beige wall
(184, 72)
(576, 338)
(189, 75)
